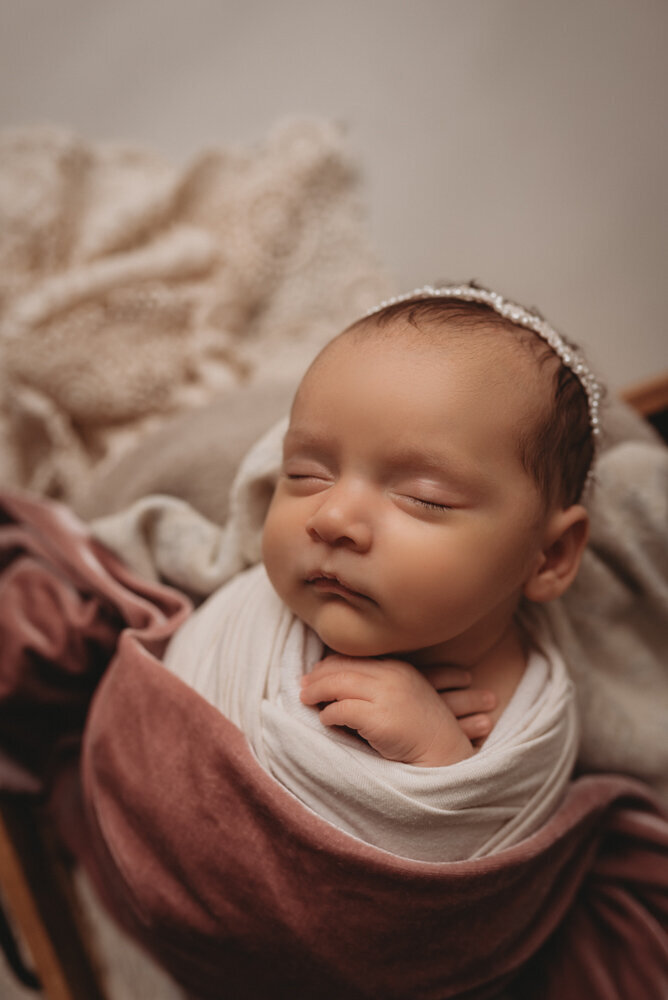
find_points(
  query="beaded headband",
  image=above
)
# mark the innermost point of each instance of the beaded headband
(569, 356)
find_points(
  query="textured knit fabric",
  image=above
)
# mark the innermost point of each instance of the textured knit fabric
(132, 290)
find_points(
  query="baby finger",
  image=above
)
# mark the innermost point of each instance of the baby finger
(469, 701)
(335, 687)
(445, 678)
(475, 726)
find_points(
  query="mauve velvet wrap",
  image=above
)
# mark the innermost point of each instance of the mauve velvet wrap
(234, 886)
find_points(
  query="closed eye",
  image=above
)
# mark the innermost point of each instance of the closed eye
(302, 483)
(418, 504)
(429, 504)
(297, 476)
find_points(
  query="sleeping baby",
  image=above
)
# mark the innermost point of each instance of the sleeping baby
(383, 661)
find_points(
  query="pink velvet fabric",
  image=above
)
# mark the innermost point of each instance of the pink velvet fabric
(230, 882)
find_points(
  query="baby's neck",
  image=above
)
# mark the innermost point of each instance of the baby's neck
(502, 668)
(476, 653)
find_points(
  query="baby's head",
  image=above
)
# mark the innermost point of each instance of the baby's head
(556, 443)
(432, 470)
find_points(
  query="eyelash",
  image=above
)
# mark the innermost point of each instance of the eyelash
(430, 505)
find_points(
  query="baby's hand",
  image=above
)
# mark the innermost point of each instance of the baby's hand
(470, 705)
(400, 712)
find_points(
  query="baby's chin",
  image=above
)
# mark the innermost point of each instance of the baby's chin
(344, 634)
(356, 648)
(361, 650)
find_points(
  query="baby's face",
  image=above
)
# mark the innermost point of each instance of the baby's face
(403, 520)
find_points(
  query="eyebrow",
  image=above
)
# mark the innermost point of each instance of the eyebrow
(414, 460)
(303, 439)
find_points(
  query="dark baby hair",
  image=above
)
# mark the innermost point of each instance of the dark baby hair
(558, 450)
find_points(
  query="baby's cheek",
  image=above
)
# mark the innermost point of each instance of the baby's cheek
(271, 554)
(277, 556)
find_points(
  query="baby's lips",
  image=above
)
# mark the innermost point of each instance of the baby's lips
(324, 580)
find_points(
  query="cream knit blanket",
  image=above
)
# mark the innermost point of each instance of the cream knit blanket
(245, 653)
(132, 290)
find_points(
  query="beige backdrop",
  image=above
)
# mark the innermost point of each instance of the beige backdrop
(522, 142)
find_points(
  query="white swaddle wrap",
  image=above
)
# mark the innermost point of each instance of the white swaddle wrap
(245, 652)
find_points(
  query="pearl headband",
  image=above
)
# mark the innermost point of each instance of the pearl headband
(569, 356)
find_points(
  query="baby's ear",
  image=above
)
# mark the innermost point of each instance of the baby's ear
(565, 539)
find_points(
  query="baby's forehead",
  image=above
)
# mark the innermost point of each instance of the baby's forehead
(515, 373)
(517, 356)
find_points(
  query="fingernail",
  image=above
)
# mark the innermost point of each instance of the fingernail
(488, 699)
(482, 726)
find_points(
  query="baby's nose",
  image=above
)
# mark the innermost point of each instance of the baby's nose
(341, 519)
